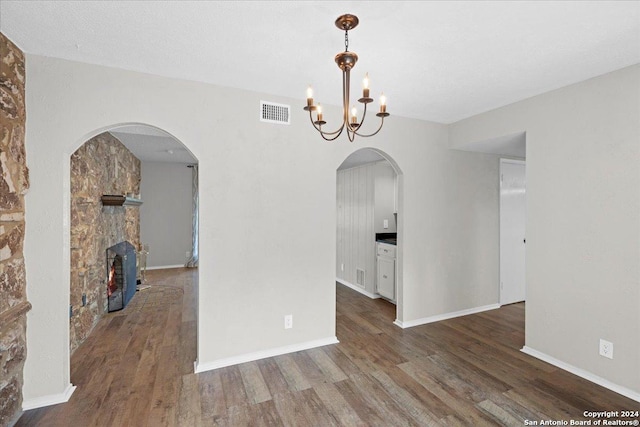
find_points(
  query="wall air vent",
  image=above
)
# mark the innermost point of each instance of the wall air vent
(360, 277)
(271, 112)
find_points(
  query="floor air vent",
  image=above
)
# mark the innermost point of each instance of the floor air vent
(271, 112)
(360, 277)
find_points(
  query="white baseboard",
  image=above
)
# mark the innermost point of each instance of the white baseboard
(445, 316)
(357, 289)
(582, 373)
(52, 399)
(250, 357)
(163, 267)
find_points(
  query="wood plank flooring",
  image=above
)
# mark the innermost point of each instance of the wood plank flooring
(136, 370)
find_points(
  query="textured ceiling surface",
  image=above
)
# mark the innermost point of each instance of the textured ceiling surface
(150, 144)
(438, 61)
(441, 61)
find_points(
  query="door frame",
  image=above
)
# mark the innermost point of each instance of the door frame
(399, 200)
(500, 281)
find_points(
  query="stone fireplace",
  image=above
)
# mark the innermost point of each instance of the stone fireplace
(102, 166)
(14, 183)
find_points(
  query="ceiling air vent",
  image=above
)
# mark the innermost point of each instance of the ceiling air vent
(271, 112)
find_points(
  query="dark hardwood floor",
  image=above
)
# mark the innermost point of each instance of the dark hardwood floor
(136, 369)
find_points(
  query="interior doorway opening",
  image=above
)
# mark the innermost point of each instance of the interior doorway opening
(369, 225)
(512, 231)
(106, 202)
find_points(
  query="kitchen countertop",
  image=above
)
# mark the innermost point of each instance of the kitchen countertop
(387, 241)
(388, 238)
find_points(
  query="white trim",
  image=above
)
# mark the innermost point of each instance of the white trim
(52, 399)
(162, 267)
(445, 316)
(263, 354)
(631, 394)
(357, 289)
(514, 161)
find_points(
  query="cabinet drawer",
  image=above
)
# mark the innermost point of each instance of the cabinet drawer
(386, 250)
(386, 284)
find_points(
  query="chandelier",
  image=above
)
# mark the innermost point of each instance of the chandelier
(346, 61)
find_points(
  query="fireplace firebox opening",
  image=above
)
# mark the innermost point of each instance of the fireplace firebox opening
(121, 275)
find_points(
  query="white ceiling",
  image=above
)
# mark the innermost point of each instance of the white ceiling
(513, 145)
(438, 61)
(150, 144)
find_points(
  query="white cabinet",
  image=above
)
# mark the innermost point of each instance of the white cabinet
(386, 250)
(387, 278)
(386, 271)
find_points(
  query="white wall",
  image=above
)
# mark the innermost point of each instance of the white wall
(268, 212)
(384, 197)
(355, 225)
(583, 219)
(166, 212)
(450, 239)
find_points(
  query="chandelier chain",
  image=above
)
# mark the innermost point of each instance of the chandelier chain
(346, 41)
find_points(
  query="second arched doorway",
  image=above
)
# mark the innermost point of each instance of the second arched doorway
(369, 225)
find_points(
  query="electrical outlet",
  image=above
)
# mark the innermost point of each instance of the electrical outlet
(606, 348)
(288, 321)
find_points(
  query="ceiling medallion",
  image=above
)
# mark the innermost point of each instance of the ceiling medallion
(346, 61)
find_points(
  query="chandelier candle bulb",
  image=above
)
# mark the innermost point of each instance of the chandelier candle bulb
(383, 103)
(365, 86)
(319, 111)
(354, 115)
(309, 97)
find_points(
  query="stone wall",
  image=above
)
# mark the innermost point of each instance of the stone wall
(101, 166)
(14, 182)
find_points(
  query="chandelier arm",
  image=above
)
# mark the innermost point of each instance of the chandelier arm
(322, 131)
(379, 128)
(364, 114)
(337, 133)
(323, 134)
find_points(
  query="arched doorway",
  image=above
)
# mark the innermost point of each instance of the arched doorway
(111, 162)
(369, 225)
